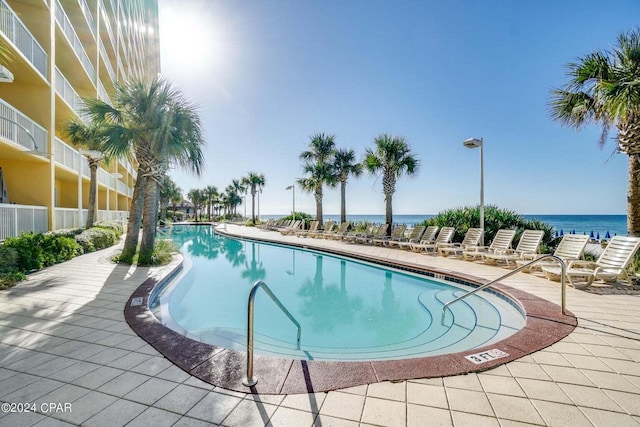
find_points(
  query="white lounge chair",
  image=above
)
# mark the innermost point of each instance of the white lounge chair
(414, 236)
(445, 236)
(340, 232)
(319, 234)
(353, 235)
(501, 242)
(528, 246)
(379, 232)
(295, 227)
(313, 227)
(610, 266)
(571, 248)
(396, 235)
(428, 236)
(471, 239)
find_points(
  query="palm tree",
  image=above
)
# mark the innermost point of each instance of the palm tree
(168, 191)
(91, 138)
(196, 197)
(318, 167)
(603, 88)
(254, 182)
(211, 192)
(234, 190)
(344, 164)
(154, 123)
(393, 159)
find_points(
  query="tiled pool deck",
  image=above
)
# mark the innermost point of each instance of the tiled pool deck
(64, 341)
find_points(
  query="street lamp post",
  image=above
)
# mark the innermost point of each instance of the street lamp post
(475, 143)
(293, 188)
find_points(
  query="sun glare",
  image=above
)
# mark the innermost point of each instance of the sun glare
(190, 40)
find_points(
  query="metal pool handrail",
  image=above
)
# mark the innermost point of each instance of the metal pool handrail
(250, 380)
(563, 294)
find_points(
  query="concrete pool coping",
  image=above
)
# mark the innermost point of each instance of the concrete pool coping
(545, 325)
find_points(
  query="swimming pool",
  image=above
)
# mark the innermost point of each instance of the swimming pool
(348, 310)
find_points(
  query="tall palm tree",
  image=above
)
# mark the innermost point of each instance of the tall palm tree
(154, 123)
(393, 159)
(196, 197)
(211, 192)
(254, 182)
(234, 189)
(319, 168)
(603, 88)
(345, 165)
(169, 191)
(90, 137)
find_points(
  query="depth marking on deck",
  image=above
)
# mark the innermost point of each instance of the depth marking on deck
(136, 301)
(486, 356)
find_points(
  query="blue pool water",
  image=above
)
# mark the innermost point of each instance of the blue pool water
(348, 310)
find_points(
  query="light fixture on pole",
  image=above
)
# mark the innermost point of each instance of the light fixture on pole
(475, 143)
(293, 188)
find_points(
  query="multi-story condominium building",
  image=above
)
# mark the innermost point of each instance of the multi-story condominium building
(62, 51)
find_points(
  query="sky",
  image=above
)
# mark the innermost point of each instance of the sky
(267, 75)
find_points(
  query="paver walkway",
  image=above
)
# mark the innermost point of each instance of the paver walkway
(67, 352)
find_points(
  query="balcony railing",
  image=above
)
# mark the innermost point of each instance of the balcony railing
(113, 216)
(107, 61)
(67, 28)
(20, 129)
(17, 32)
(71, 158)
(70, 218)
(107, 24)
(18, 219)
(66, 91)
(88, 16)
(102, 93)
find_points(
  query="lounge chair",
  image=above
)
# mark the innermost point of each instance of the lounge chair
(414, 236)
(610, 266)
(501, 242)
(295, 227)
(428, 236)
(340, 232)
(471, 239)
(353, 235)
(379, 232)
(571, 248)
(313, 227)
(396, 235)
(528, 246)
(319, 234)
(445, 236)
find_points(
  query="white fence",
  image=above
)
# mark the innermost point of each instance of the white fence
(70, 218)
(18, 219)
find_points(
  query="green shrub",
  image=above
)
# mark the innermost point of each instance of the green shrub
(97, 238)
(8, 280)
(35, 251)
(68, 232)
(162, 252)
(494, 219)
(8, 259)
(115, 226)
(250, 223)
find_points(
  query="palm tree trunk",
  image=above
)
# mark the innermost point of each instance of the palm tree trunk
(91, 212)
(343, 201)
(633, 196)
(135, 219)
(389, 212)
(253, 206)
(149, 222)
(318, 197)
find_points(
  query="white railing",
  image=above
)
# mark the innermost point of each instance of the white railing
(112, 215)
(107, 25)
(122, 187)
(20, 129)
(17, 32)
(18, 219)
(70, 218)
(68, 156)
(107, 61)
(102, 93)
(71, 97)
(76, 44)
(88, 16)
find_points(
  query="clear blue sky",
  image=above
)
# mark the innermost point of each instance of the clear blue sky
(266, 75)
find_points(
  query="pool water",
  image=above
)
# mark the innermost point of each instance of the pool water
(348, 310)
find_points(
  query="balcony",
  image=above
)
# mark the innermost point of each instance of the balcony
(66, 91)
(17, 32)
(20, 129)
(65, 24)
(18, 219)
(88, 16)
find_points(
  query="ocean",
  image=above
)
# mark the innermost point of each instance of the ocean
(578, 224)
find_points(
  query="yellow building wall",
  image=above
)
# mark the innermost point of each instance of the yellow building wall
(28, 183)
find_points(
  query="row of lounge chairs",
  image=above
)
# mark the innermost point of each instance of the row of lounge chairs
(611, 265)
